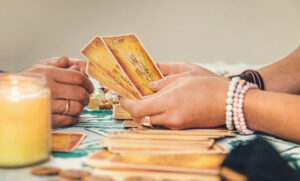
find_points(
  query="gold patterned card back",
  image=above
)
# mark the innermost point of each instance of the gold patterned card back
(134, 60)
(97, 52)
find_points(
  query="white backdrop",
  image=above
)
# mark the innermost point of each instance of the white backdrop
(202, 31)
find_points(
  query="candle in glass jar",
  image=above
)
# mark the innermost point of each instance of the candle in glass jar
(25, 125)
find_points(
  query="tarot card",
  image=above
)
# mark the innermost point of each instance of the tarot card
(156, 144)
(65, 141)
(183, 163)
(103, 78)
(198, 132)
(142, 149)
(97, 52)
(130, 124)
(230, 174)
(120, 113)
(133, 135)
(123, 174)
(134, 60)
(106, 142)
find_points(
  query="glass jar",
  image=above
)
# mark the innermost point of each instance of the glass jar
(25, 120)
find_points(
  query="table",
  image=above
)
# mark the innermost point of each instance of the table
(96, 123)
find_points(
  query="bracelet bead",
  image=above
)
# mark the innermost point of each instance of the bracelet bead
(228, 107)
(229, 102)
(237, 107)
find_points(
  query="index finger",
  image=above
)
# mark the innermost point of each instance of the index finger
(170, 68)
(80, 63)
(145, 107)
(69, 76)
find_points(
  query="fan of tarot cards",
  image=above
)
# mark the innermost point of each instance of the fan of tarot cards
(122, 64)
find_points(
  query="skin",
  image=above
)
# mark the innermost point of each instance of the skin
(66, 80)
(284, 75)
(193, 97)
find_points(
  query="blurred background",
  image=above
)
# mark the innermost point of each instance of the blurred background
(223, 32)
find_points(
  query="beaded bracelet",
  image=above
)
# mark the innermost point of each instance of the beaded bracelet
(237, 108)
(229, 102)
(235, 104)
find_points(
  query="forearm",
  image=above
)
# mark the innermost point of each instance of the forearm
(283, 76)
(274, 113)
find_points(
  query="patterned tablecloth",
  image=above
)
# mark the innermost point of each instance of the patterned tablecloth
(96, 123)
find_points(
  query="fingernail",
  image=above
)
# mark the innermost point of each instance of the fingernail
(74, 67)
(153, 85)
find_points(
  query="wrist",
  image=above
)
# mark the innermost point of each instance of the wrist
(220, 103)
(251, 104)
(235, 116)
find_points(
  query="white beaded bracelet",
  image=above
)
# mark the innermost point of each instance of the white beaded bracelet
(229, 102)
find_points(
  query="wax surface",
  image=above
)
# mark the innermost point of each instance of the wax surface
(24, 131)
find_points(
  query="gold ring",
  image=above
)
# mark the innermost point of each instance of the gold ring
(67, 107)
(147, 122)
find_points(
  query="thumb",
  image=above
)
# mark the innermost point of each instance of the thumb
(159, 84)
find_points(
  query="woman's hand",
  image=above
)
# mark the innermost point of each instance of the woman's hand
(172, 68)
(188, 102)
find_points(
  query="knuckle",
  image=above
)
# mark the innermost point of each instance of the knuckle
(78, 78)
(62, 59)
(78, 108)
(67, 121)
(82, 94)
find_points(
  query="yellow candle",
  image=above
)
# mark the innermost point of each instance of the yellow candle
(25, 125)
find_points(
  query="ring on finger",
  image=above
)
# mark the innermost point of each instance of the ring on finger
(147, 122)
(67, 109)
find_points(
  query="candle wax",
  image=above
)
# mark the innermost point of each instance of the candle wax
(24, 130)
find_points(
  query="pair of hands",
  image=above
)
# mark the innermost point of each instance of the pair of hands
(66, 79)
(188, 97)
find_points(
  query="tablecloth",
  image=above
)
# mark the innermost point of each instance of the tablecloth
(96, 123)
